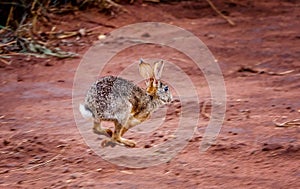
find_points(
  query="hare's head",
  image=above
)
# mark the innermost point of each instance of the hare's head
(155, 87)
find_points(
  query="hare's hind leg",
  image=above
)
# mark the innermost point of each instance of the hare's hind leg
(130, 123)
(98, 130)
(117, 135)
(123, 131)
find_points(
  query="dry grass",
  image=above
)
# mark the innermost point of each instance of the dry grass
(19, 31)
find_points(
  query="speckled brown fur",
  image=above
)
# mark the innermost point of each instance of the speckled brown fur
(116, 99)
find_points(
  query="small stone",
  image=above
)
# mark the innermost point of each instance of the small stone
(210, 35)
(5, 171)
(6, 142)
(82, 32)
(127, 172)
(146, 35)
(48, 64)
(270, 147)
(66, 170)
(101, 37)
(69, 181)
(73, 176)
(172, 136)
(20, 182)
(99, 170)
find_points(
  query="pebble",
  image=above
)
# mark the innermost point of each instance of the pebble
(66, 170)
(101, 37)
(6, 142)
(127, 172)
(99, 170)
(270, 147)
(75, 175)
(5, 171)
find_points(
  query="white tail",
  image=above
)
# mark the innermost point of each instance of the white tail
(86, 113)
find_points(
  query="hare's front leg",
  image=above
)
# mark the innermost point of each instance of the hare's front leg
(132, 121)
(98, 130)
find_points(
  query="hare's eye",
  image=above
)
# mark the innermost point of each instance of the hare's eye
(166, 88)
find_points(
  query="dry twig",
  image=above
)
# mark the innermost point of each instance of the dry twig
(220, 13)
(46, 162)
(112, 4)
(5, 61)
(253, 70)
(7, 44)
(203, 110)
(295, 122)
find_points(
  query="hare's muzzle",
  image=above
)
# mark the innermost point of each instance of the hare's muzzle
(169, 100)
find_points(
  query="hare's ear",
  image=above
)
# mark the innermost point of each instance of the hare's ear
(146, 70)
(158, 67)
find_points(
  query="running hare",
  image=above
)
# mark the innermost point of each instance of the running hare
(124, 103)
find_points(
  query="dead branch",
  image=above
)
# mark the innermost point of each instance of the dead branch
(295, 122)
(7, 44)
(115, 5)
(220, 13)
(253, 70)
(5, 61)
(48, 161)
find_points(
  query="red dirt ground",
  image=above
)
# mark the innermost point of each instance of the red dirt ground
(41, 146)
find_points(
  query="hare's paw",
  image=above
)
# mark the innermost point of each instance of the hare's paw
(128, 143)
(113, 143)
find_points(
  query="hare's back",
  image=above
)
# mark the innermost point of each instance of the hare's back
(109, 96)
(111, 86)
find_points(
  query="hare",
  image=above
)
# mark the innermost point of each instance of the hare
(118, 100)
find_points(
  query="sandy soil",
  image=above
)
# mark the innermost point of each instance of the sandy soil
(41, 146)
